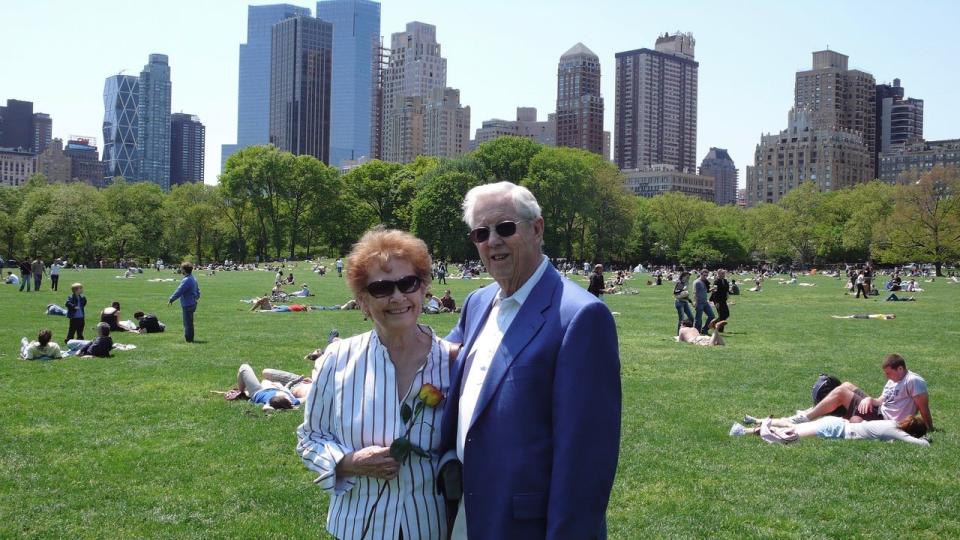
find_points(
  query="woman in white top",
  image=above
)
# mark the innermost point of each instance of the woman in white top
(353, 412)
(832, 427)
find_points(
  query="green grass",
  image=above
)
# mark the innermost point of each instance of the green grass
(137, 445)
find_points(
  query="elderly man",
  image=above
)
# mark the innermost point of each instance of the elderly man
(534, 408)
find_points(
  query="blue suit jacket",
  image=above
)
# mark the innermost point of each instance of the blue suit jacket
(541, 454)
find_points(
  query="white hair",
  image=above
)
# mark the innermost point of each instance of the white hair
(523, 201)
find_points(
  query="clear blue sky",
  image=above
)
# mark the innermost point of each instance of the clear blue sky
(500, 53)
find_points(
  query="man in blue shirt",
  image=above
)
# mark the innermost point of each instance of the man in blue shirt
(701, 292)
(188, 292)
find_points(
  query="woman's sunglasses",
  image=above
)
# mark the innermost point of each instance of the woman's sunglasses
(406, 284)
(504, 229)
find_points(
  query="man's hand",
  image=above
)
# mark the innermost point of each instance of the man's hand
(373, 461)
(866, 405)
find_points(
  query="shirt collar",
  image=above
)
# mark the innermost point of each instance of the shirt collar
(521, 294)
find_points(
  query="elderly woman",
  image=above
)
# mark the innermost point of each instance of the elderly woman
(361, 384)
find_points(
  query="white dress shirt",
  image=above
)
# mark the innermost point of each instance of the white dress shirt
(354, 403)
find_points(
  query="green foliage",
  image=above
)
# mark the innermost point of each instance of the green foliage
(437, 216)
(712, 247)
(506, 158)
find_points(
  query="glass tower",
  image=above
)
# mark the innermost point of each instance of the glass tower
(153, 135)
(253, 97)
(120, 124)
(356, 30)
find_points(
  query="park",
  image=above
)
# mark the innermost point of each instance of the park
(142, 445)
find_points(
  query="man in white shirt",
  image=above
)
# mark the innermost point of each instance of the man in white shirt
(55, 274)
(533, 412)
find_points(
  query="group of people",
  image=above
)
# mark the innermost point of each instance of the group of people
(32, 272)
(706, 295)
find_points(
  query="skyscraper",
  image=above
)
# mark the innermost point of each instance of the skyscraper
(121, 124)
(899, 120)
(356, 29)
(656, 105)
(42, 132)
(253, 96)
(85, 165)
(300, 73)
(719, 165)
(187, 149)
(16, 125)
(526, 125)
(414, 70)
(153, 111)
(446, 129)
(579, 104)
(838, 98)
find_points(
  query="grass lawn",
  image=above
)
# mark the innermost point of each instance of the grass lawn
(138, 446)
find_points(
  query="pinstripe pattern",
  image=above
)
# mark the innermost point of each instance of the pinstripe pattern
(353, 404)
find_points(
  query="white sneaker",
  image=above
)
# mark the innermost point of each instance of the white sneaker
(737, 430)
(799, 418)
(749, 420)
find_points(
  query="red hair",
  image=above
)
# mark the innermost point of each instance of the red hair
(378, 246)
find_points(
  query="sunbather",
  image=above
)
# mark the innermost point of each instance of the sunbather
(691, 335)
(41, 349)
(270, 394)
(782, 431)
(879, 316)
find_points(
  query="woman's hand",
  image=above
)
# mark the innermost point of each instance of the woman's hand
(373, 461)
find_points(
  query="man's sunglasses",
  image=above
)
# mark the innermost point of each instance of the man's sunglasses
(406, 284)
(504, 229)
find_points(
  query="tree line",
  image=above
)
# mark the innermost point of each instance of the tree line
(271, 205)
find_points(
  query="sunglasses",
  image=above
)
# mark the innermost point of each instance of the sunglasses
(406, 284)
(505, 229)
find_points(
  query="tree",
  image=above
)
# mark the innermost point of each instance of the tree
(712, 246)
(309, 189)
(507, 158)
(560, 179)
(260, 175)
(676, 215)
(437, 218)
(376, 185)
(925, 223)
(610, 217)
(191, 212)
(134, 216)
(10, 201)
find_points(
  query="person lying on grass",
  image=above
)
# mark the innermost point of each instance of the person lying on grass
(271, 394)
(878, 316)
(904, 394)
(100, 347)
(691, 335)
(783, 431)
(148, 324)
(41, 349)
(894, 298)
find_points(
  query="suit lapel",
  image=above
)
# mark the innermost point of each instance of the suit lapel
(524, 327)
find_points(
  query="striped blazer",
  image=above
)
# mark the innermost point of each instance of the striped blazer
(353, 404)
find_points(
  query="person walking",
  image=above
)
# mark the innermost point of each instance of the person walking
(339, 265)
(441, 273)
(701, 289)
(681, 299)
(26, 269)
(721, 291)
(860, 281)
(55, 274)
(189, 293)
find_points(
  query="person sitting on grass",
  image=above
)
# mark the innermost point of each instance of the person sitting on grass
(303, 292)
(100, 347)
(41, 349)
(148, 324)
(11, 279)
(111, 316)
(734, 288)
(270, 394)
(689, 334)
(878, 316)
(782, 431)
(448, 304)
(261, 303)
(431, 305)
(904, 394)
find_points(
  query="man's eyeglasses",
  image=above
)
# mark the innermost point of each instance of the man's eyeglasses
(384, 288)
(505, 229)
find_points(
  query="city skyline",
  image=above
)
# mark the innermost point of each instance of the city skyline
(747, 64)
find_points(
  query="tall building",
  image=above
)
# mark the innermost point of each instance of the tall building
(42, 132)
(85, 164)
(719, 165)
(661, 178)
(187, 149)
(16, 125)
(526, 125)
(415, 68)
(253, 96)
(356, 29)
(656, 105)
(300, 76)
(54, 164)
(899, 120)
(446, 128)
(153, 111)
(806, 152)
(579, 104)
(917, 157)
(378, 71)
(121, 125)
(16, 166)
(838, 98)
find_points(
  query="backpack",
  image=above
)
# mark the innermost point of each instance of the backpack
(823, 386)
